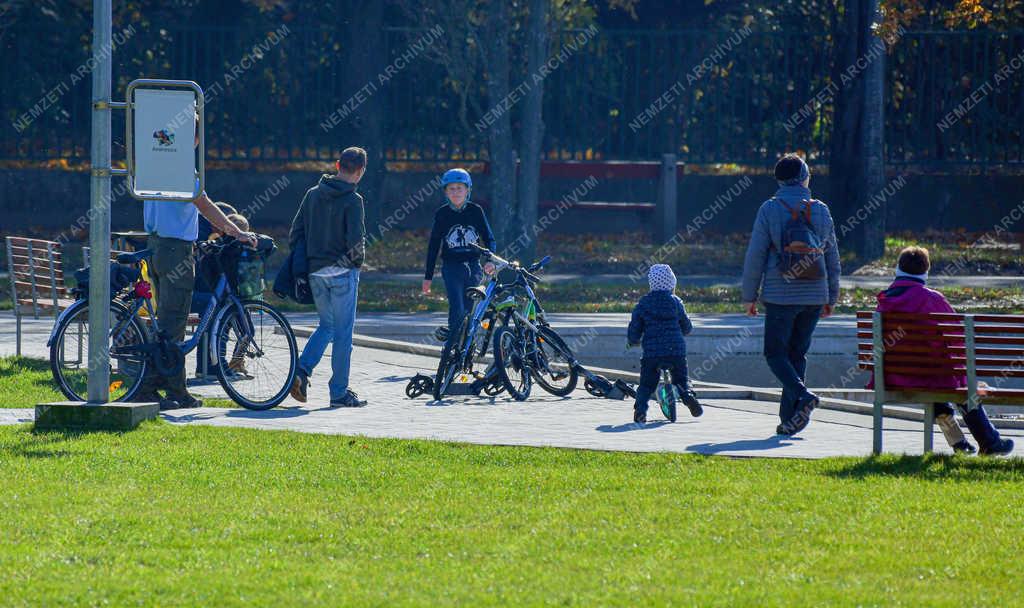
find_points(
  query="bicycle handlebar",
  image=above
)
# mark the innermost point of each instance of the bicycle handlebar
(503, 263)
(263, 243)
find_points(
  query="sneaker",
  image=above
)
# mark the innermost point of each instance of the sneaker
(441, 333)
(963, 447)
(639, 416)
(1001, 447)
(349, 400)
(690, 400)
(168, 404)
(147, 397)
(185, 401)
(299, 386)
(801, 418)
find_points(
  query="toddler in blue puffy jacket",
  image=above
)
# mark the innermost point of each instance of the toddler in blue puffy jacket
(659, 323)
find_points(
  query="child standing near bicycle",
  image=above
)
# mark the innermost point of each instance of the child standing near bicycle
(458, 226)
(659, 323)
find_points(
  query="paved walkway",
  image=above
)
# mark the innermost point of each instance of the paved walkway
(736, 427)
(731, 280)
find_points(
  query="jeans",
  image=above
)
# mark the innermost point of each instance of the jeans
(335, 299)
(649, 377)
(977, 421)
(787, 337)
(457, 278)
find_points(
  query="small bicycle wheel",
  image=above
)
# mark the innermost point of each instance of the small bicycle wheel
(418, 385)
(256, 354)
(667, 399)
(510, 361)
(554, 371)
(69, 352)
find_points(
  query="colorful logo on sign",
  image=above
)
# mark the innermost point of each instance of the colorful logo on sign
(163, 137)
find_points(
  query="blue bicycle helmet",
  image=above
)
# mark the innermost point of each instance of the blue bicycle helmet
(456, 176)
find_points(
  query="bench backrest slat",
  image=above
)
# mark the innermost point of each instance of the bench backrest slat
(36, 274)
(10, 270)
(941, 344)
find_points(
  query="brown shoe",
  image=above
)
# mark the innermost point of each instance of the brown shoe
(299, 386)
(237, 364)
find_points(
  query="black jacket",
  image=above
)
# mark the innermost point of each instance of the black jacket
(295, 267)
(330, 221)
(453, 234)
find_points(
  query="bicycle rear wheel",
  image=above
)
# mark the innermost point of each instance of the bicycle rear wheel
(554, 371)
(256, 355)
(69, 352)
(510, 362)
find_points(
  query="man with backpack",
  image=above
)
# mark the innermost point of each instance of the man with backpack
(792, 262)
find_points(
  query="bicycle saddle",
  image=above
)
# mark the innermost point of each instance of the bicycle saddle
(135, 257)
(476, 292)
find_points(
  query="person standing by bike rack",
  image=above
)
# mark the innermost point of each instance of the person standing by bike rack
(458, 226)
(173, 228)
(330, 221)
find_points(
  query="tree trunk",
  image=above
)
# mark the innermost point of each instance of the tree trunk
(365, 58)
(532, 126)
(499, 133)
(857, 163)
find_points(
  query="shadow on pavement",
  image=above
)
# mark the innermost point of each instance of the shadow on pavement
(271, 414)
(633, 426)
(743, 445)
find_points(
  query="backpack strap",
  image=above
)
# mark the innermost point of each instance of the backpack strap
(807, 210)
(794, 213)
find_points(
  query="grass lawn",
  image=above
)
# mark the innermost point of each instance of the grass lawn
(208, 516)
(393, 296)
(954, 253)
(25, 381)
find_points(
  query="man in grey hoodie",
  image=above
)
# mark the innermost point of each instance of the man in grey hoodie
(330, 221)
(793, 304)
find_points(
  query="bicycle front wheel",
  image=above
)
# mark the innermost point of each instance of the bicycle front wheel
(450, 361)
(69, 352)
(256, 354)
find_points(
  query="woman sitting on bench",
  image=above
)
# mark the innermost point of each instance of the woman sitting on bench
(909, 294)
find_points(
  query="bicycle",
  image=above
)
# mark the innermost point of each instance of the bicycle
(257, 374)
(526, 347)
(470, 345)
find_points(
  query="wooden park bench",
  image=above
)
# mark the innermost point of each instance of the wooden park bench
(36, 274)
(924, 345)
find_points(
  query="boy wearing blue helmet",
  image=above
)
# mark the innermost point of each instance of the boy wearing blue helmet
(458, 225)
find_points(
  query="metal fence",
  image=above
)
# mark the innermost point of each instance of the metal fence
(712, 97)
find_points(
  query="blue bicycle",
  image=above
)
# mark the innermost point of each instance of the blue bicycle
(251, 343)
(508, 314)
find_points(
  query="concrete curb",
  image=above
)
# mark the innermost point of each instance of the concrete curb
(707, 390)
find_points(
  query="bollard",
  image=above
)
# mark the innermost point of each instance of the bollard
(666, 208)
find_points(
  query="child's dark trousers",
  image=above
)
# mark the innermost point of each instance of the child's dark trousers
(649, 377)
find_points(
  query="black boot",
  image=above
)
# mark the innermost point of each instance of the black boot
(989, 441)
